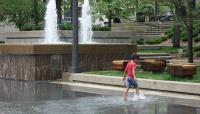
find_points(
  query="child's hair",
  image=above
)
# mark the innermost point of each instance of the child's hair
(133, 57)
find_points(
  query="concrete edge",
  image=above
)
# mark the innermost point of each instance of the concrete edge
(179, 98)
(171, 86)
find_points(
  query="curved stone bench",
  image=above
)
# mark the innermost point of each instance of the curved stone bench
(119, 64)
(153, 65)
(184, 70)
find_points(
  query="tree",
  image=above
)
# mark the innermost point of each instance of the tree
(187, 12)
(188, 16)
(176, 7)
(156, 9)
(38, 11)
(59, 10)
(112, 9)
(17, 12)
(21, 12)
(189, 25)
(35, 12)
(148, 8)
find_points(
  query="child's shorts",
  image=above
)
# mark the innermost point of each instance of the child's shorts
(131, 82)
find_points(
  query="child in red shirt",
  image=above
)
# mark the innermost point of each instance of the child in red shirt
(131, 80)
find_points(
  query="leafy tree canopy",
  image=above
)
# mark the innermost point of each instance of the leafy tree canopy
(18, 12)
(115, 8)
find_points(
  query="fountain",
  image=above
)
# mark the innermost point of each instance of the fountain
(48, 61)
(22, 61)
(86, 24)
(51, 35)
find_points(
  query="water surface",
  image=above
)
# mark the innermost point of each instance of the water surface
(19, 97)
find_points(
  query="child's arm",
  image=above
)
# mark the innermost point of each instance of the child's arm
(124, 75)
(134, 76)
(134, 71)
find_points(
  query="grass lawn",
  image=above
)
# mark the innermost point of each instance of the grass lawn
(151, 75)
(170, 50)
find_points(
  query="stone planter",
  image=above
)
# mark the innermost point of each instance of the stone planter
(183, 70)
(153, 65)
(119, 64)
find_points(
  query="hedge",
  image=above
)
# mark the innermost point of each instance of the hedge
(197, 54)
(30, 27)
(197, 48)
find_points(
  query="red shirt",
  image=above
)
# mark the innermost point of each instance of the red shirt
(130, 67)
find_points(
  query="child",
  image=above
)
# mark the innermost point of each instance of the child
(131, 73)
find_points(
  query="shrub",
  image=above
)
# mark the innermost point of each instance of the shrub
(184, 36)
(196, 25)
(140, 41)
(37, 27)
(169, 32)
(197, 38)
(164, 38)
(197, 48)
(195, 32)
(26, 28)
(157, 41)
(197, 54)
(150, 42)
(65, 26)
(30, 27)
(99, 28)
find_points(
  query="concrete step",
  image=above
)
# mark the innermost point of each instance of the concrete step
(172, 86)
(155, 30)
(124, 24)
(150, 33)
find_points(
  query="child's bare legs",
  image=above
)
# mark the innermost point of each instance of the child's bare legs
(137, 90)
(126, 94)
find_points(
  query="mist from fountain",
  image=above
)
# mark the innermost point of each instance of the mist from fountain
(51, 35)
(86, 24)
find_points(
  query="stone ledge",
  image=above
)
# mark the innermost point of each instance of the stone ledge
(186, 99)
(67, 33)
(67, 48)
(172, 86)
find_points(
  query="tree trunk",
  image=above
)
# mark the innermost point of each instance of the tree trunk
(110, 19)
(176, 38)
(192, 6)
(59, 12)
(177, 31)
(71, 8)
(190, 44)
(156, 10)
(109, 15)
(136, 9)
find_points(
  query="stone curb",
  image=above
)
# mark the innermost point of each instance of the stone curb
(172, 86)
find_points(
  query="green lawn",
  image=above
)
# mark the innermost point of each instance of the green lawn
(170, 50)
(151, 75)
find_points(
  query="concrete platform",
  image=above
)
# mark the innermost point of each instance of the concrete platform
(170, 86)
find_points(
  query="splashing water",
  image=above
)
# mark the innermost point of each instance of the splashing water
(137, 97)
(51, 35)
(86, 24)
